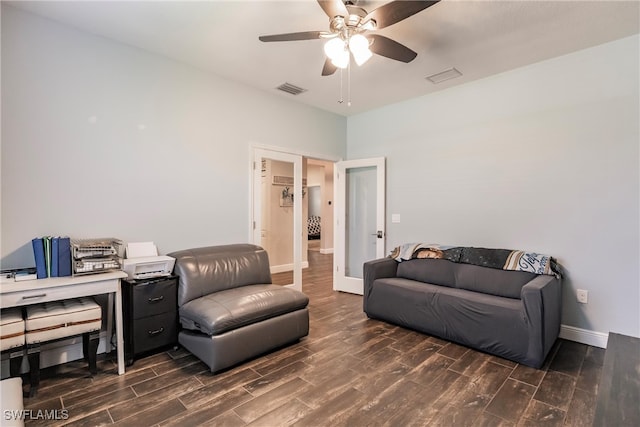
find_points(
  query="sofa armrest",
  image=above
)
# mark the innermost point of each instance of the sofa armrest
(377, 269)
(542, 302)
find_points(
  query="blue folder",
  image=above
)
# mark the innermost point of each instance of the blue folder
(38, 255)
(64, 257)
(46, 241)
(54, 256)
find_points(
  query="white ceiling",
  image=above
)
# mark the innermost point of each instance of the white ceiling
(479, 38)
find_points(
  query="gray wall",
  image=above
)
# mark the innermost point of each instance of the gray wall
(543, 158)
(102, 139)
(315, 201)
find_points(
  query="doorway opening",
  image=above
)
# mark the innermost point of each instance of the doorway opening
(292, 213)
(359, 216)
(320, 203)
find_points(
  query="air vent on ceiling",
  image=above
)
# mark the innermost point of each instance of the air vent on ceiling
(451, 73)
(292, 89)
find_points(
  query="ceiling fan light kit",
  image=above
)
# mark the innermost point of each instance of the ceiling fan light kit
(349, 28)
(337, 49)
(359, 47)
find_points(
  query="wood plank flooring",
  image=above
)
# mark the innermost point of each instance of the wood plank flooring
(349, 371)
(619, 391)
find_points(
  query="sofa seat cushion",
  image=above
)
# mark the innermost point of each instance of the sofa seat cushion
(486, 322)
(222, 311)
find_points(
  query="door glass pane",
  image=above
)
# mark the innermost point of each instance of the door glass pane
(360, 224)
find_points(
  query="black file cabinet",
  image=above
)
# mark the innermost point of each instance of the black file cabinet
(150, 312)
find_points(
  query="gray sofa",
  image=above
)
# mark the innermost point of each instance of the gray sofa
(511, 314)
(228, 308)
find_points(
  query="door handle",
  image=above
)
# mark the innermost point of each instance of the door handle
(379, 234)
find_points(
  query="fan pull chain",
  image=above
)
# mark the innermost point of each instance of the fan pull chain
(341, 100)
(349, 84)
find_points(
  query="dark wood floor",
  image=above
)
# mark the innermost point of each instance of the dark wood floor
(349, 371)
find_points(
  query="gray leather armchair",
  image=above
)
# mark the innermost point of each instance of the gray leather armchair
(229, 309)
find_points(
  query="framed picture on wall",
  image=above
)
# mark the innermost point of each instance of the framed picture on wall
(287, 198)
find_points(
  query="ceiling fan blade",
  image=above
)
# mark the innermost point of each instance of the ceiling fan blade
(328, 68)
(333, 8)
(396, 11)
(288, 37)
(384, 46)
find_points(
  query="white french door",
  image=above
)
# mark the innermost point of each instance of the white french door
(359, 231)
(279, 229)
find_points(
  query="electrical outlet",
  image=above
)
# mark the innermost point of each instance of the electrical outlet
(582, 295)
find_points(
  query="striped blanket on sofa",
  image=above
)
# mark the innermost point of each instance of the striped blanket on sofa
(504, 259)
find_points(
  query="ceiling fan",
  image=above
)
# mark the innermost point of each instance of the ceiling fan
(351, 32)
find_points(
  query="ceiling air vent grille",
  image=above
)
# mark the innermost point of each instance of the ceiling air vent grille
(451, 73)
(292, 89)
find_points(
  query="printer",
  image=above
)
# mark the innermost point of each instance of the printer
(143, 261)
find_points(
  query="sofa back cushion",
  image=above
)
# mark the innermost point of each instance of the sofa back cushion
(475, 278)
(491, 281)
(203, 271)
(434, 271)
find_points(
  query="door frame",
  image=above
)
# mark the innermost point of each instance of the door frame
(259, 154)
(255, 199)
(340, 281)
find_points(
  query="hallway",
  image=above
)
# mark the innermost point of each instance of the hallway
(319, 270)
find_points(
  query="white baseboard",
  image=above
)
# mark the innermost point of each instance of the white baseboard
(584, 336)
(286, 267)
(326, 251)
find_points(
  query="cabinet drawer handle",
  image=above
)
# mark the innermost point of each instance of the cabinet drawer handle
(34, 296)
(156, 332)
(156, 299)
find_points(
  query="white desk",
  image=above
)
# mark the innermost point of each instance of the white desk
(14, 294)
